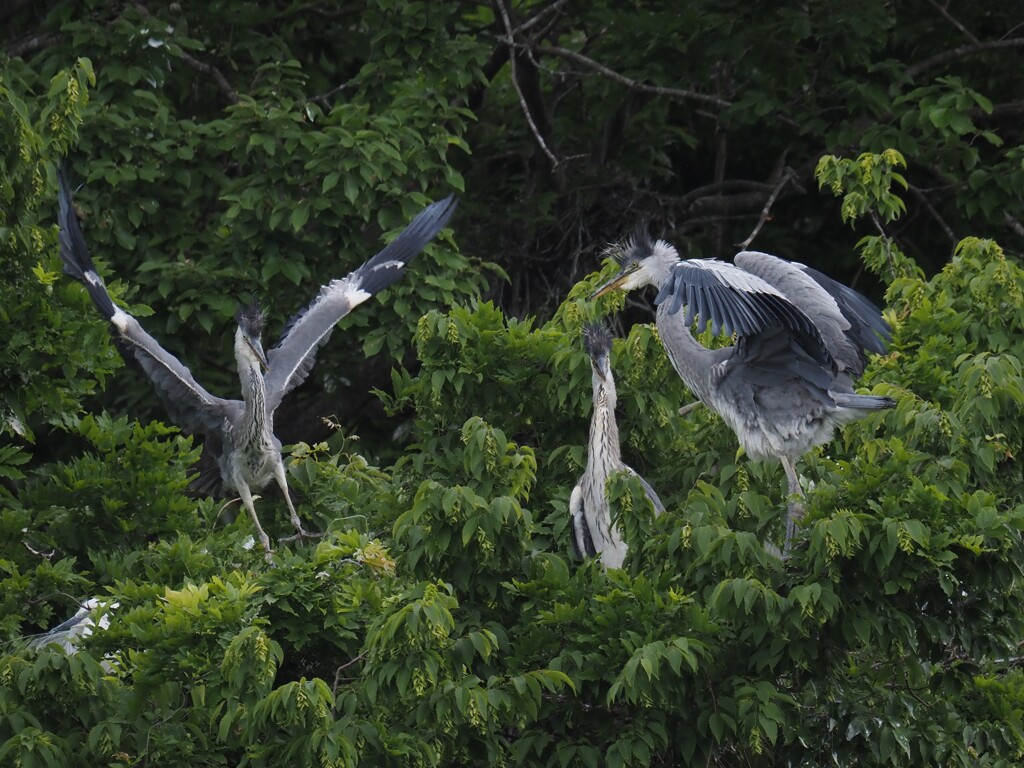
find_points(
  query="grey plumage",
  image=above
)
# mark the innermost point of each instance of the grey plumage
(69, 633)
(590, 514)
(241, 432)
(801, 339)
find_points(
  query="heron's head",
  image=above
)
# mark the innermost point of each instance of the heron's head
(248, 337)
(597, 340)
(642, 261)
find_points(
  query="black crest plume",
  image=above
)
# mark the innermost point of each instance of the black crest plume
(597, 339)
(250, 319)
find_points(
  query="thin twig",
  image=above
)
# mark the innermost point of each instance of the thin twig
(689, 407)
(1013, 223)
(208, 69)
(515, 82)
(534, 20)
(885, 242)
(934, 214)
(342, 668)
(31, 45)
(200, 66)
(954, 22)
(322, 98)
(961, 52)
(677, 93)
(787, 175)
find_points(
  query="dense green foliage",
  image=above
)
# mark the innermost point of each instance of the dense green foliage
(239, 150)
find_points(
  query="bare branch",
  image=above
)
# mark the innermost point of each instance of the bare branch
(218, 77)
(515, 82)
(323, 98)
(676, 93)
(342, 668)
(787, 175)
(199, 66)
(541, 14)
(950, 235)
(690, 407)
(886, 241)
(1013, 223)
(31, 44)
(961, 52)
(954, 22)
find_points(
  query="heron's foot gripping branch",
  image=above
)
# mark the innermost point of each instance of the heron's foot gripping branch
(301, 533)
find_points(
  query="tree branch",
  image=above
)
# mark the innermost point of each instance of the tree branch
(510, 41)
(200, 66)
(961, 52)
(676, 93)
(31, 44)
(787, 175)
(218, 77)
(934, 214)
(954, 22)
(1013, 223)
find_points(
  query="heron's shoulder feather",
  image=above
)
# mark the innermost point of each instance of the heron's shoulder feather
(848, 322)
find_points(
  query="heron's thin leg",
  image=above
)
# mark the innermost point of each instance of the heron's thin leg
(243, 491)
(795, 510)
(282, 483)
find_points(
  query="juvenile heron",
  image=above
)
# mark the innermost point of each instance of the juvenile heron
(801, 340)
(592, 530)
(68, 634)
(240, 433)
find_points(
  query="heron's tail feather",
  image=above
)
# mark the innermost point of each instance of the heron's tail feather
(863, 402)
(74, 252)
(387, 266)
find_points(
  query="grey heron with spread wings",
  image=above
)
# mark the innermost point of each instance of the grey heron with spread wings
(593, 532)
(240, 433)
(801, 339)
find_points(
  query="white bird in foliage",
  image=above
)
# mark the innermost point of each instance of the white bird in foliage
(593, 532)
(801, 340)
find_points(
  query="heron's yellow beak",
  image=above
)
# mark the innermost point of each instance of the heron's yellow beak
(616, 281)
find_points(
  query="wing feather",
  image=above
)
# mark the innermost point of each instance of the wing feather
(849, 324)
(190, 406)
(295, 354)
(725, 296)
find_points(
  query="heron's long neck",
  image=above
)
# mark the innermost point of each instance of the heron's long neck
(604, 432)
(659, 264)
(690, 359)
(254, 393)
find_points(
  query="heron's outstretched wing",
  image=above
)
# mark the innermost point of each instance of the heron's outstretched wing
(736, 301)
(190, 406)
(295, 354)
(850, 325)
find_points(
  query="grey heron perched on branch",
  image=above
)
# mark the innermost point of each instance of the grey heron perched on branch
(801, 340)
(592, 530)
(68, 634)
(240, 433)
